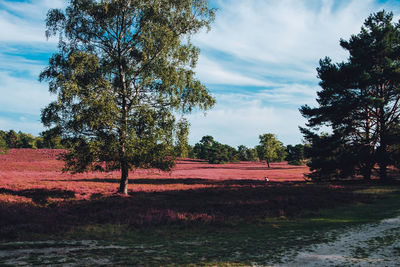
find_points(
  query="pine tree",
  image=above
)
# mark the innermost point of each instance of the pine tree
(360, 98)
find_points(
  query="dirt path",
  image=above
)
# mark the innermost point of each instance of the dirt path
(56, 253)
(367, 245)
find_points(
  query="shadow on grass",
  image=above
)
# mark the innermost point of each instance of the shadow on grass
(39, 196)
(169, 181)
(261, 168)
(220, 205)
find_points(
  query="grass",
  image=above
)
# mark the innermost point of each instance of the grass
(261, 241)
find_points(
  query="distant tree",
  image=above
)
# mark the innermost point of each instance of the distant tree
(12, 139)
(25, 140)
(202, 149)
(295, 154)
(182, 139)
(247, 154)
(50, 139)
(360, 98)
(242, 152)
(214, 152)
(191, 153)
(252, 154)
(3, 143)
(39, 142)
(270, 149)
(123, 69)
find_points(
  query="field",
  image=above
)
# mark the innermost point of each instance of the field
(199, 214)
(27, 169)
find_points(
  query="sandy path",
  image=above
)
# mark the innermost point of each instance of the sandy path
(367, 245)
(45, 253)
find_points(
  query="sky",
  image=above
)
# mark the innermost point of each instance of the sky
(258, 60)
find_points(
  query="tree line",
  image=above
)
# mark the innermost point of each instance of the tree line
(270, 149)
(11, 139)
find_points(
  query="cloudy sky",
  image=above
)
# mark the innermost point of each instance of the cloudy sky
(258, 60)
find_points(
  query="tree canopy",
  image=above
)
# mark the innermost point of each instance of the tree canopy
(123, 69)
(359, 101)
(182, 138)
(213, 151)
(295, 155)
(270, 149)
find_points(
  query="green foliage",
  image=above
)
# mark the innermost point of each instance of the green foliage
(359, 101)
(12, 139)
(3, 142)
(51, 139)
(270, 149)
(394, 146)
(182, 139)
(214, 152)
(123, 69)
(247, 154)
(295, 154)
(48, 139)
(25, 140)
(330, 158)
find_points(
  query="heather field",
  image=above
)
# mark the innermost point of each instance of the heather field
(29, 169)
(199, 214)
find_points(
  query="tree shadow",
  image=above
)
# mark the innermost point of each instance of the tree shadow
(261, 168)
(222, 205)
(170, 181)
(40, 196)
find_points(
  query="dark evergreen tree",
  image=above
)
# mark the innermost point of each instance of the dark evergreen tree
(25, 140)
(295, 154)
(12, 139)
(359, 99)
(214, 152)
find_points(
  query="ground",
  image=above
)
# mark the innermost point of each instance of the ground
(376, 244)
(199, 214)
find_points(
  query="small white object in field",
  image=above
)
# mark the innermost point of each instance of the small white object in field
(266, 179)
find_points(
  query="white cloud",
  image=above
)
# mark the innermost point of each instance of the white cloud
(22, 95)
(267, 50)
(16, 63)
(240, 119)
(280, 38)
(23, 52)
(33, 127)
(213, 72)
(24, 22)
(32, 9)
(290, 94)
(273, 45)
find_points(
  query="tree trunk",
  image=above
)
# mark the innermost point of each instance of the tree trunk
(268, 163)
(383, 162)
(382, 150)
(123, 187)
(367, 172)
(383, 172)
(124, 166)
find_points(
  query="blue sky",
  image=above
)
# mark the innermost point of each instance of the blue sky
(258, 60)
